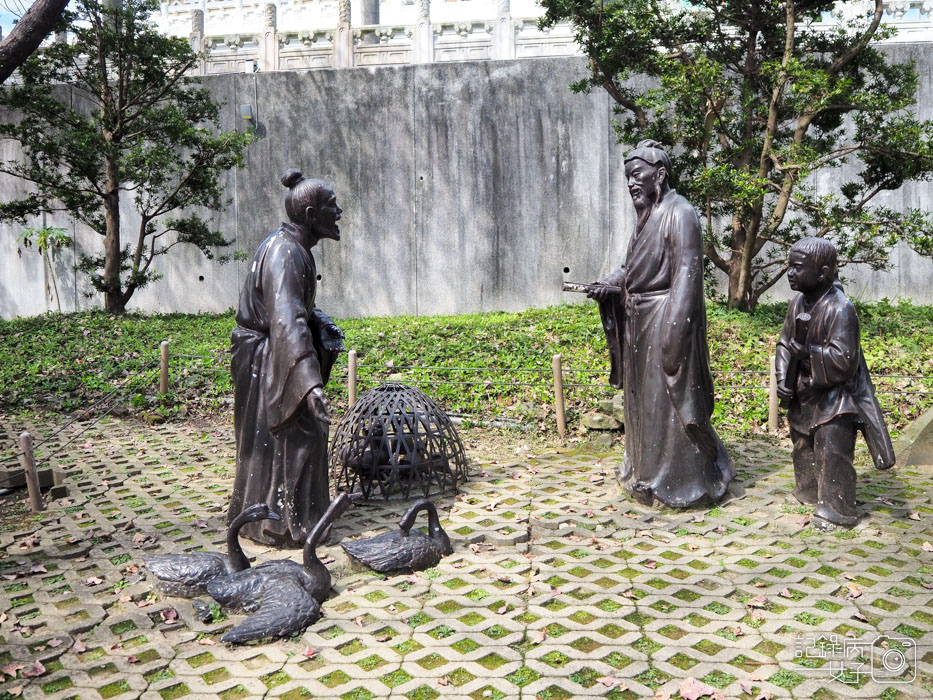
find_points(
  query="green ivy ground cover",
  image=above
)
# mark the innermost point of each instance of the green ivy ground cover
(69, 362)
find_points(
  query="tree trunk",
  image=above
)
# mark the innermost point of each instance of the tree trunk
(113, 297)
(740, 295)
(28, 33)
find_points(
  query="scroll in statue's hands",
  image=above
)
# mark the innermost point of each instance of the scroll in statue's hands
(319, 405)
(603, 289)
(798, 350)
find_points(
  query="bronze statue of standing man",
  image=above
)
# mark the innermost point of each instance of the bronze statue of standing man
(656, 332)
(283, 350)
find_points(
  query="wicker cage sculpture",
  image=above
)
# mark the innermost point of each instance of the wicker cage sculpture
(397, 443)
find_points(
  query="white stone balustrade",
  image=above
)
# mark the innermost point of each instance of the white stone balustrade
(248, 35)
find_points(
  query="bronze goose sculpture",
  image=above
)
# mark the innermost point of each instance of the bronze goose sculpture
(403, 548)
(283, 595)
(187, 575)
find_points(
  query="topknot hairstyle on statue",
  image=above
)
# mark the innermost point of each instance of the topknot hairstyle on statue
(652, 152)
(301, 193)
(819, 250)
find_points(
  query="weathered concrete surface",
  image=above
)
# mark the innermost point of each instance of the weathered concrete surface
(466, 186)
(558, 587)
(914, 447)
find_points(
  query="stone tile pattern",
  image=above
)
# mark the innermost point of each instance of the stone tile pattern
(559, 586)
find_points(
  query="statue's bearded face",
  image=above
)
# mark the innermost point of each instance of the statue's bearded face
(324, 221)
(644, 182)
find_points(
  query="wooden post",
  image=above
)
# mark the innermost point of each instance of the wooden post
(163, 369)
(772, 397)
(559, 395)
(29, 468)
(351, 376)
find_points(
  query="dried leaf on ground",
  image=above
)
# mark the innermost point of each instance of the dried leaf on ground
(37, 669)
(691, 689)
(11, 670)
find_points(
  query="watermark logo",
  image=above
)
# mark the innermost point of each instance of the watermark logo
(885, 659)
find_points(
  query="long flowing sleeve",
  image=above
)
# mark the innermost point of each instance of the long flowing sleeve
(684, 311)
(836, 359)
(293, 369)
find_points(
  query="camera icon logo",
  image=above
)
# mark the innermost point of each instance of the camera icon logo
(893, 659)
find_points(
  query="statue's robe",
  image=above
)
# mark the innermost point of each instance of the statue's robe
(834, 382)
(277, 359)
(657, 346)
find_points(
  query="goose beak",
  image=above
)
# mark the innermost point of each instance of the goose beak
(272, 515)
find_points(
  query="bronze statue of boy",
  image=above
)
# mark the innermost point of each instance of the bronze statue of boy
(823, 380)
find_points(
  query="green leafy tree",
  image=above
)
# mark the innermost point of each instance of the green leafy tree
(754, 101)
(111, 115)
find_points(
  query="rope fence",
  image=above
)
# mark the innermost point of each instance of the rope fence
(351, 370)
(551, 384)
(100, 409)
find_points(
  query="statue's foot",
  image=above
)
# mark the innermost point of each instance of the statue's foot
(643, 493)
(804, 498)
(822, 525)
(825, 512)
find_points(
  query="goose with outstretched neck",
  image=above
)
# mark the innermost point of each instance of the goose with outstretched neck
(187, 575)
(283, 595)
(404, 548)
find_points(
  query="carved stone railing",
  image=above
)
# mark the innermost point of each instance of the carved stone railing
(259, 45)
(383, 45)
(306, 50)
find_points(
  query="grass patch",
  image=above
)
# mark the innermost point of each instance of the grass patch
(63, 362)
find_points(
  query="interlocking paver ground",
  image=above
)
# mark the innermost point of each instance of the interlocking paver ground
(559, 586)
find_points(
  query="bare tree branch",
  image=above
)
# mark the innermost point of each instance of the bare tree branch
(28, 33)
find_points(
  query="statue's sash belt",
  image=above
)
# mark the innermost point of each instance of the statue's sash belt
(634, 299)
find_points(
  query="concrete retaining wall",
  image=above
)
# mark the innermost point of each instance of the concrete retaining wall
(465, 186)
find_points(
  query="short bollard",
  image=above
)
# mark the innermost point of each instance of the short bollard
(559, 395)
(28, 462)
(772, 398)
(351, 377)
(163, 368)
